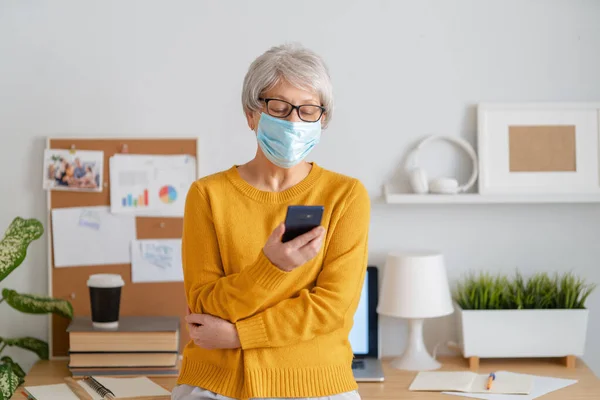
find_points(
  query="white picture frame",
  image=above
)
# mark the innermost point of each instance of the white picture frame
(496, 172)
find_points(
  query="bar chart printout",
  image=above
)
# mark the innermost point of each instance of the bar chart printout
(131, 200)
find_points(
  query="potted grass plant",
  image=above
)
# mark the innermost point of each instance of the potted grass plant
(510, 316)
(13, 249)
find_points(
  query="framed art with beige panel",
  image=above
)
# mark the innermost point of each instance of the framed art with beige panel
(140, 299)
(539, 148)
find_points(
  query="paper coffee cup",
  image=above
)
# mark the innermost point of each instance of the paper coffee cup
(105, 299)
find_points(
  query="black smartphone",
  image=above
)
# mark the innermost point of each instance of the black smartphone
(301, 219)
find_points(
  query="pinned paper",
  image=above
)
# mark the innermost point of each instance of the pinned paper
(156, 261)
(84, 236)
(150, 185)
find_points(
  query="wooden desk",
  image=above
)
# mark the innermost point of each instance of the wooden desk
(397, 382)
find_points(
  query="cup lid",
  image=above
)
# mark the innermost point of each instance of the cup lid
(105, 280)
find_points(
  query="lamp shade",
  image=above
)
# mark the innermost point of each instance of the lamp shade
(415, 285)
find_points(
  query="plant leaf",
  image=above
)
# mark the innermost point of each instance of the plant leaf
(9, 382)
(15, 367)
(585, 295)
(32, 304)
(541, 291)
(37, 346)
(13, 247)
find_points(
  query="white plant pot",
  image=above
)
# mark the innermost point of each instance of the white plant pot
(522, 333)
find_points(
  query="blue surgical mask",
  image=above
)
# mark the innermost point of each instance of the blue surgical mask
(286, 143)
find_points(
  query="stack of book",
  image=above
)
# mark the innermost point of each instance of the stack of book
(139, 346)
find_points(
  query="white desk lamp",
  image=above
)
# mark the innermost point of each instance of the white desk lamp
(415, 286)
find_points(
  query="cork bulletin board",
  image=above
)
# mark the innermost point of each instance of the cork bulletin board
(142, 299)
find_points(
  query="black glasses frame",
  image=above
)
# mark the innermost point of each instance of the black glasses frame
(293, 107)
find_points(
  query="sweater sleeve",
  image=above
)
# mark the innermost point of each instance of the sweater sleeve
(324, 308)
(208, 289)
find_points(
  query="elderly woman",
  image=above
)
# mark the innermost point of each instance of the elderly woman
(270, 318)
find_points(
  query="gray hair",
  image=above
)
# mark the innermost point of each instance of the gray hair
(295, 64)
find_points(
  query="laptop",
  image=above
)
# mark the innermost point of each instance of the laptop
(364, 336)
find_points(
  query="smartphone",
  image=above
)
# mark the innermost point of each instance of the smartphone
(301, 219)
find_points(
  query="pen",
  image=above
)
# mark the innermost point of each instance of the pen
(491, 378)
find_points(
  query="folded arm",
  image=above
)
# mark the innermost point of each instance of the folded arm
(207, 288)
(335, 296)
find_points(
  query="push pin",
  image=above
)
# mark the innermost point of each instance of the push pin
(124, 148)
(162, 225)
(72, 150)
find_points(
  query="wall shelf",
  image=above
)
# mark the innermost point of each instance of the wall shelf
(473, 198)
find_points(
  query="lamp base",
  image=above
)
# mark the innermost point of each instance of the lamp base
(416, 362)
(415, 357)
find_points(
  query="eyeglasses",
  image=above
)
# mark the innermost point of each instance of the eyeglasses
(282, 109)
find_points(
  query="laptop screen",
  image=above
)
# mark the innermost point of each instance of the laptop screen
(359, 335)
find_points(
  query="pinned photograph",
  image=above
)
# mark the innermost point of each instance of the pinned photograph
(77, 170)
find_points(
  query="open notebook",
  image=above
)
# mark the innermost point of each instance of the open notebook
(470, 382)
(125, 388)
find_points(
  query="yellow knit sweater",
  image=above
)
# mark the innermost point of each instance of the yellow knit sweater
(293, 326)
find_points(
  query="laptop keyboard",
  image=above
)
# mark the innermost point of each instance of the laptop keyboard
(358, 364)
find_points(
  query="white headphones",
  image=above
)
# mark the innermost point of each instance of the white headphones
(418, 177)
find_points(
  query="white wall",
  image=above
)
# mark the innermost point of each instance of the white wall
(401, 70)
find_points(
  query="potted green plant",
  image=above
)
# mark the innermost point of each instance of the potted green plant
(512, 316)
(13, 249)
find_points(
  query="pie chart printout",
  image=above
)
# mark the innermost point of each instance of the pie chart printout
(167, 194)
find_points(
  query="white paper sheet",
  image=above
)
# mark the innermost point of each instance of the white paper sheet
(85, 236)
(150, 185)
(156, 261)
(59, 391)
(541, 385)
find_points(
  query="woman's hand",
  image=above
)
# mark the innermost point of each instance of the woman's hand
(211, 332)
(290, 255)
